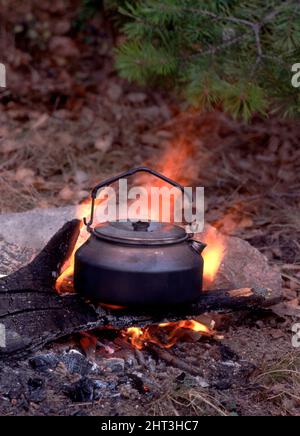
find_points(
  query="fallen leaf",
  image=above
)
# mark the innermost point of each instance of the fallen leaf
(4, 131)
(41, 121)
(277, 333)
(284, 309)
(82, 195)
(149, 138)
(25, 175)
(63, 46)
(81, 177)
(246, 222)
(9, 145)
(104, 144)
(66, 194)
(114, 91)
(136, 97)
(64, 138)
(61, 27)
(294, 303)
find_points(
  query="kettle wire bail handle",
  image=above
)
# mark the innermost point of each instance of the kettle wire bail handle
(113, 179)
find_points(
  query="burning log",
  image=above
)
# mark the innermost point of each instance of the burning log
(33, 314)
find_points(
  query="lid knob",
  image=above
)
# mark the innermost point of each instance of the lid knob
(140, 226)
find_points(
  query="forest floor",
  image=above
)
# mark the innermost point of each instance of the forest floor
(67, 121)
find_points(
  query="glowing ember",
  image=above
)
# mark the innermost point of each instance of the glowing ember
(112, 306)
(88, 343)
(165, 335)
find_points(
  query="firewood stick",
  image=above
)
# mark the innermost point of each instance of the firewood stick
(172, 360)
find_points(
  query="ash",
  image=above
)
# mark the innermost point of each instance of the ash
(103, 374)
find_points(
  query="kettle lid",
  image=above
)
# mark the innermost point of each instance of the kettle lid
(141, 232)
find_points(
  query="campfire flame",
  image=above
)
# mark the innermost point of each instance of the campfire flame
(177, 161)
(64, 282)
(165, 335)
(213, 254)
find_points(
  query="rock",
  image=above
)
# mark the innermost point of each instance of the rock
(77, 363)
(33, 229)
(85, 390)
(81, 391)
(13, 257)
(36, 392)
(44, 362)
(114, 364)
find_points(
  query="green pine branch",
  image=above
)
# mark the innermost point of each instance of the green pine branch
(217, 53)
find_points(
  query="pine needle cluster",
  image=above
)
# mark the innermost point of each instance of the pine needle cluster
(231, 54)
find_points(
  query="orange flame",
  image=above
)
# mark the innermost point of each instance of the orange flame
(213, 254)
(174, 164)
(177, 161)
(64, 282)
(166, 335)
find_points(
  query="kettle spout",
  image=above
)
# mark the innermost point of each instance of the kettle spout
(198, 246)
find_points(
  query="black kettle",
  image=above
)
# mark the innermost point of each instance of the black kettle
(138, 263)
